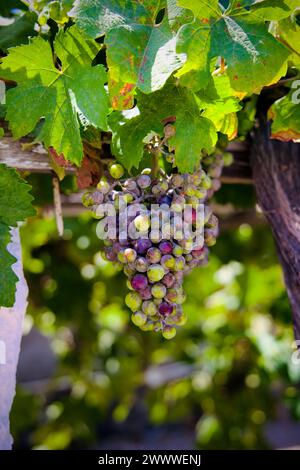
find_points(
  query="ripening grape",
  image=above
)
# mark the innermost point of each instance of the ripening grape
(155, 272)
(144, 181)
(169, 332)
(133, 300)
(158, 290)
(168, 262)
(165, 247)
(130, 255)
(149, 307)
(141, 264)
(139, 282)
(139, 318)
(103, 186)
(142, 245)
(146, 293)
(155, 266)
(169, 279)
(165, 308)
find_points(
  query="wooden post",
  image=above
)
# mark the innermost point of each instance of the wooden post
(276, 173)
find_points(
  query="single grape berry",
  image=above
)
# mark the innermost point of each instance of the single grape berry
(165, 247)
(141, 264)
(165, 308)
(139, 282)
(103, 186)
(142, 245)
(169, 279)
(149, 307)
(169, 332)
(130, 255)
(116, 170)
(139, 318)
(155, 272)
(168, 262)
(142, 222)
(133, 300)
(153, 255)
(146, 293)
(144, 181)
(158, 290)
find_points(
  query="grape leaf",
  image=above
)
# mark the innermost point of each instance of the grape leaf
(288, 31)
(285, 114)
(15, 206)
(220, 103)
(272, 10)
(60, 95)
(140, 53)
(17, 31)
(239, 36)
(8, 278)
(57, 10)
(193, 131)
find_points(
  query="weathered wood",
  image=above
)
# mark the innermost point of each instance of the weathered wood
(36, 160)
(276, 173)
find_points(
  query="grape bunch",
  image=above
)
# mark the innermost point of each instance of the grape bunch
(155, 264)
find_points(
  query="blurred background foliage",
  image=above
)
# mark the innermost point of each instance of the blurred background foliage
(226, 376)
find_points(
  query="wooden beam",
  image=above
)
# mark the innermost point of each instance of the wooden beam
(17, 154)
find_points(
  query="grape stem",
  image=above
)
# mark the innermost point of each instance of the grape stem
(154, 164)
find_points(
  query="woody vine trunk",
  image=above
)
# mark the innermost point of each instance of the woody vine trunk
(276, 173)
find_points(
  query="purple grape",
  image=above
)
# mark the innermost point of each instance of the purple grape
(165, 200)
(142, 245)
(139, 282)
(146, 293)
(168, 280)
(165, 309)
(110, 255)
(153, 255)
(165, 247)
(144, 181)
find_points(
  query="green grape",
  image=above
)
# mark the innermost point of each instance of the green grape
(139, 318)
(142, 222)
(149, 307)
(116, 170)
(155, 272)
(168, 262)
(158, 291)
(169, 332)
(133, 300)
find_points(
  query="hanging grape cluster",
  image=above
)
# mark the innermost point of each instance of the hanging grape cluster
(155, 266)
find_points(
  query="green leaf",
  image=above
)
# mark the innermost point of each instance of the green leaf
(8, 278)
(59, 95)
(17, 31)
(15, 206)
(15, 200)
(288, 31)
(272, 10)
(193, 134)
(240, 37)
(193, 131)
(220, 104)
(140, 53)
(285, 114)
